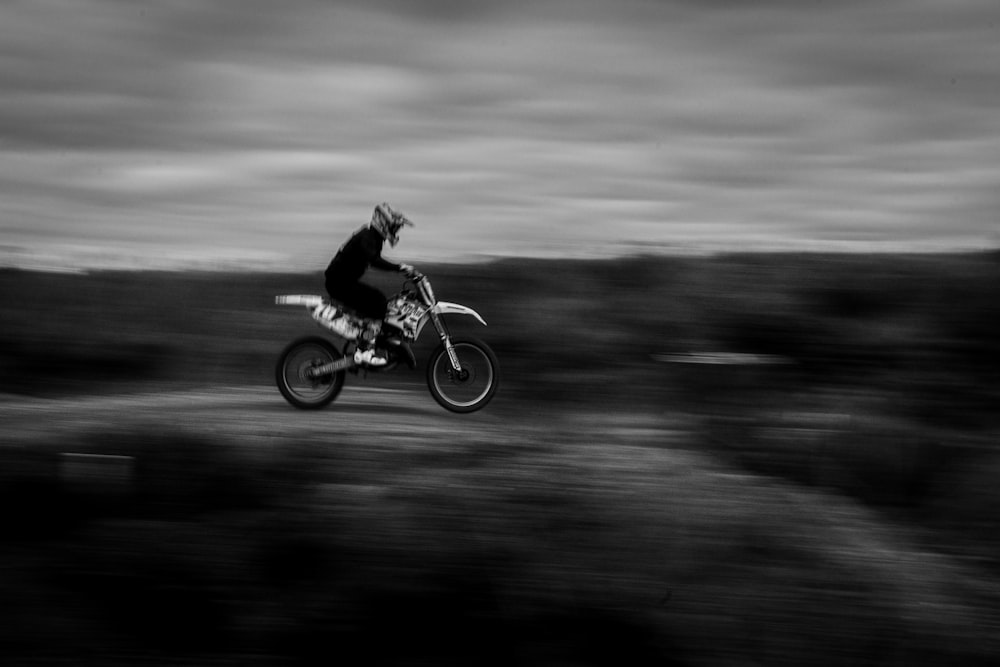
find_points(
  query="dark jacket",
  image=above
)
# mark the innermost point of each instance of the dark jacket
(362, 250)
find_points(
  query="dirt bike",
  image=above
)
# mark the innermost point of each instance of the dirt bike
(462, 374)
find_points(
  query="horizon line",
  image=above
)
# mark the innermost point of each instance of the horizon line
(232, 266)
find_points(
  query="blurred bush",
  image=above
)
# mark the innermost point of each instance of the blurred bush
(842, 319)
(964, 507)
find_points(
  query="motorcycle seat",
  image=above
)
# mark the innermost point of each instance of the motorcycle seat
(344, 308)
(313, 301)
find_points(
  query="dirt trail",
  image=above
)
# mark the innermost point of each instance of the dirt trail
(259, 411)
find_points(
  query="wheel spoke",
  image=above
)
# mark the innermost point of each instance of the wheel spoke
(467, 388)
(297, 379)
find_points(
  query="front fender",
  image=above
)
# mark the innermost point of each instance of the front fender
(446, 307)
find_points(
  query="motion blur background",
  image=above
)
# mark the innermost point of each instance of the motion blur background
(781, 455)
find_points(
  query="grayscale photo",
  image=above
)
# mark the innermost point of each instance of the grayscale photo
(499, 332)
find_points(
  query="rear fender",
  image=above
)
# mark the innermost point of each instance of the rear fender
(307, 300)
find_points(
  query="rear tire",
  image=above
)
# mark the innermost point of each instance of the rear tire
(292, 373)
(471, 389)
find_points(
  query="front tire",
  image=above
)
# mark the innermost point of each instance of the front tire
(471, 388)
(292, 373)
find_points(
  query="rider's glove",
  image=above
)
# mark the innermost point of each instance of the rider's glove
(407, 269)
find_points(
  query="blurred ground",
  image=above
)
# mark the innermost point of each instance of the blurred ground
(390, 529)
(616, 504)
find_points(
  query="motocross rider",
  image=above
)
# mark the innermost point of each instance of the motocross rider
(343, 277)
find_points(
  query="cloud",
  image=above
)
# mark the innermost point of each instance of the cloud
(505, 126)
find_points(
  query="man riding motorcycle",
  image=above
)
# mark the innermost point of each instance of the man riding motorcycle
(343, 277)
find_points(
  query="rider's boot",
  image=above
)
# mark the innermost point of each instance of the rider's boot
(367, 354)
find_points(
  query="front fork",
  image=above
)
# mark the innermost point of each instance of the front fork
(427, 295)
(442, 330)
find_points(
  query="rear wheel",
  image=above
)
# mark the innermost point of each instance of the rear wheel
(296, 377)
(470, 388)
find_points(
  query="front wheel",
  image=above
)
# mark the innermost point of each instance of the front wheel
(473, 386)
(296, 377)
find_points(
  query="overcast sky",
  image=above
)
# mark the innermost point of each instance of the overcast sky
(266, 130)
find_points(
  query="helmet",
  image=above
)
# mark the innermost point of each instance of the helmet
(388, 222)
